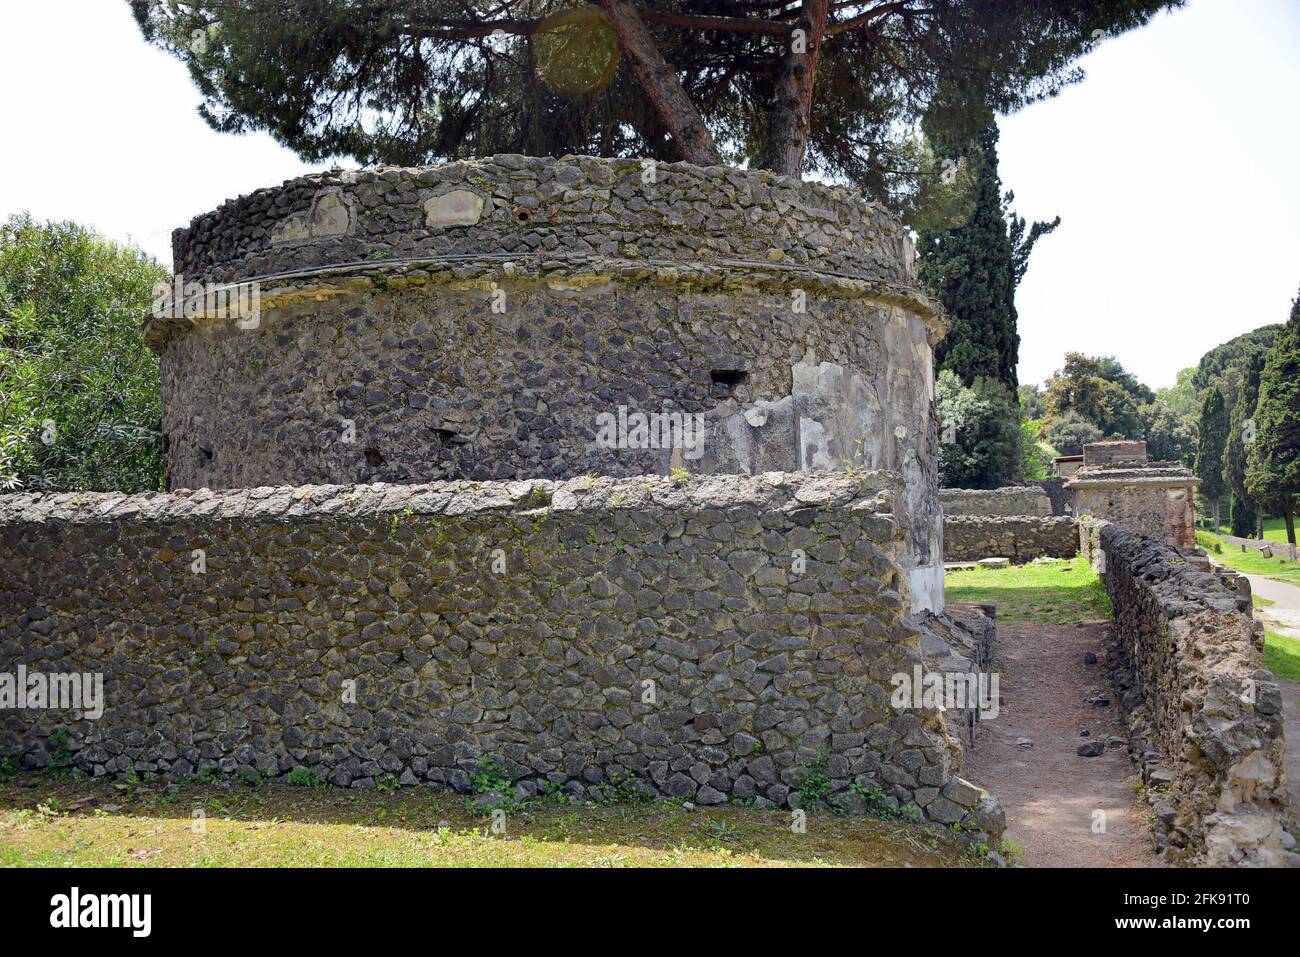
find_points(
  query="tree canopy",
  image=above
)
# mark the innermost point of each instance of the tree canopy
(979, 433)
(788, 85)
(79, 392)
(1241, 351)
(1273, 458)
(974, 269)
(1099, 390)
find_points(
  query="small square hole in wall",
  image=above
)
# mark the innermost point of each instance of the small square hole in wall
(374, 458)
(725, 381)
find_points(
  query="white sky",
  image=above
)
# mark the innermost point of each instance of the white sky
(1173, 166)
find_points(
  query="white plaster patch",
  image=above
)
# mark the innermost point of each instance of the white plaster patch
(331, 214)
(926, 583)
(460, 207)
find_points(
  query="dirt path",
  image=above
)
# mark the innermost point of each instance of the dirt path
(1053, 796)
(1283, 616)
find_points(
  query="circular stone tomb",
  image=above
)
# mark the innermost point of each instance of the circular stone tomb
(518, 317)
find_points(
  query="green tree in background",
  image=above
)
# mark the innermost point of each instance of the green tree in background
(1035, 454)
(979, 433)
(79, 390)
(1070, 432)
(1031, 401)
(974, 269)
(1273, 458)
(1212, 436)
(1182, 398)
(1242, 514)
(1169, 438)
(1099, 390)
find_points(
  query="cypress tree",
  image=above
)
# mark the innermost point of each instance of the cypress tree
(1212, 437)
(1241, 432)
(971, 269)
(1273, 459)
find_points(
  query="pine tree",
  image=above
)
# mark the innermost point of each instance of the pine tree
(1273, 459)
(831, 87)
(1212, 437)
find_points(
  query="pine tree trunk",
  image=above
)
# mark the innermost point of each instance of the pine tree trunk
(1216, 516)
(789, 122)
(1290, 527)
(659, 80)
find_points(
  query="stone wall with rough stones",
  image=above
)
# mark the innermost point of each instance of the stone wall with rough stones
(1011, 500)
(709, 637)
(1059, 499)
(477, 319)
(511, 206)
(1205, 716)
(1021, 538)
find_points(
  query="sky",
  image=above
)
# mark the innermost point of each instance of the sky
(1173, 167)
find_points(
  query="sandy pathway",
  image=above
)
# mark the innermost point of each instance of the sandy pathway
(1057, 801)
(1283, 616)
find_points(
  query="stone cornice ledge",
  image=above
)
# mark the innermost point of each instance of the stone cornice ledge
(569, 273)
(1161, 481)
(875, 493)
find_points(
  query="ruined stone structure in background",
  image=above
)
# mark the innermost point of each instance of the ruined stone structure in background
(1115, 452)
(1017, 522)
(1067, 465)
(996, 502)
(1118, 484)
(477, 319)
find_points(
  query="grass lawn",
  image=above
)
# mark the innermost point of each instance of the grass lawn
(1249, 562)
(50, 821)
(1061, 592)
(1274, 530)
(1282, 655)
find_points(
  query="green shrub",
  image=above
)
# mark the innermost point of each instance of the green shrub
(79, 389)
(303, 778)
(489, 777)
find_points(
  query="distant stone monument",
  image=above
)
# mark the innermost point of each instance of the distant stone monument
(1118, 484)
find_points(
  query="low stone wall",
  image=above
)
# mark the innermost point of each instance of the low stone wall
(708, 638)
(1205, 717)
(1061, 501)
(1277, 549)
(1022, 538)
(1012, 500)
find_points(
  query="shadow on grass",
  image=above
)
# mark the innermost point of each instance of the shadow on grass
(46, 821)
